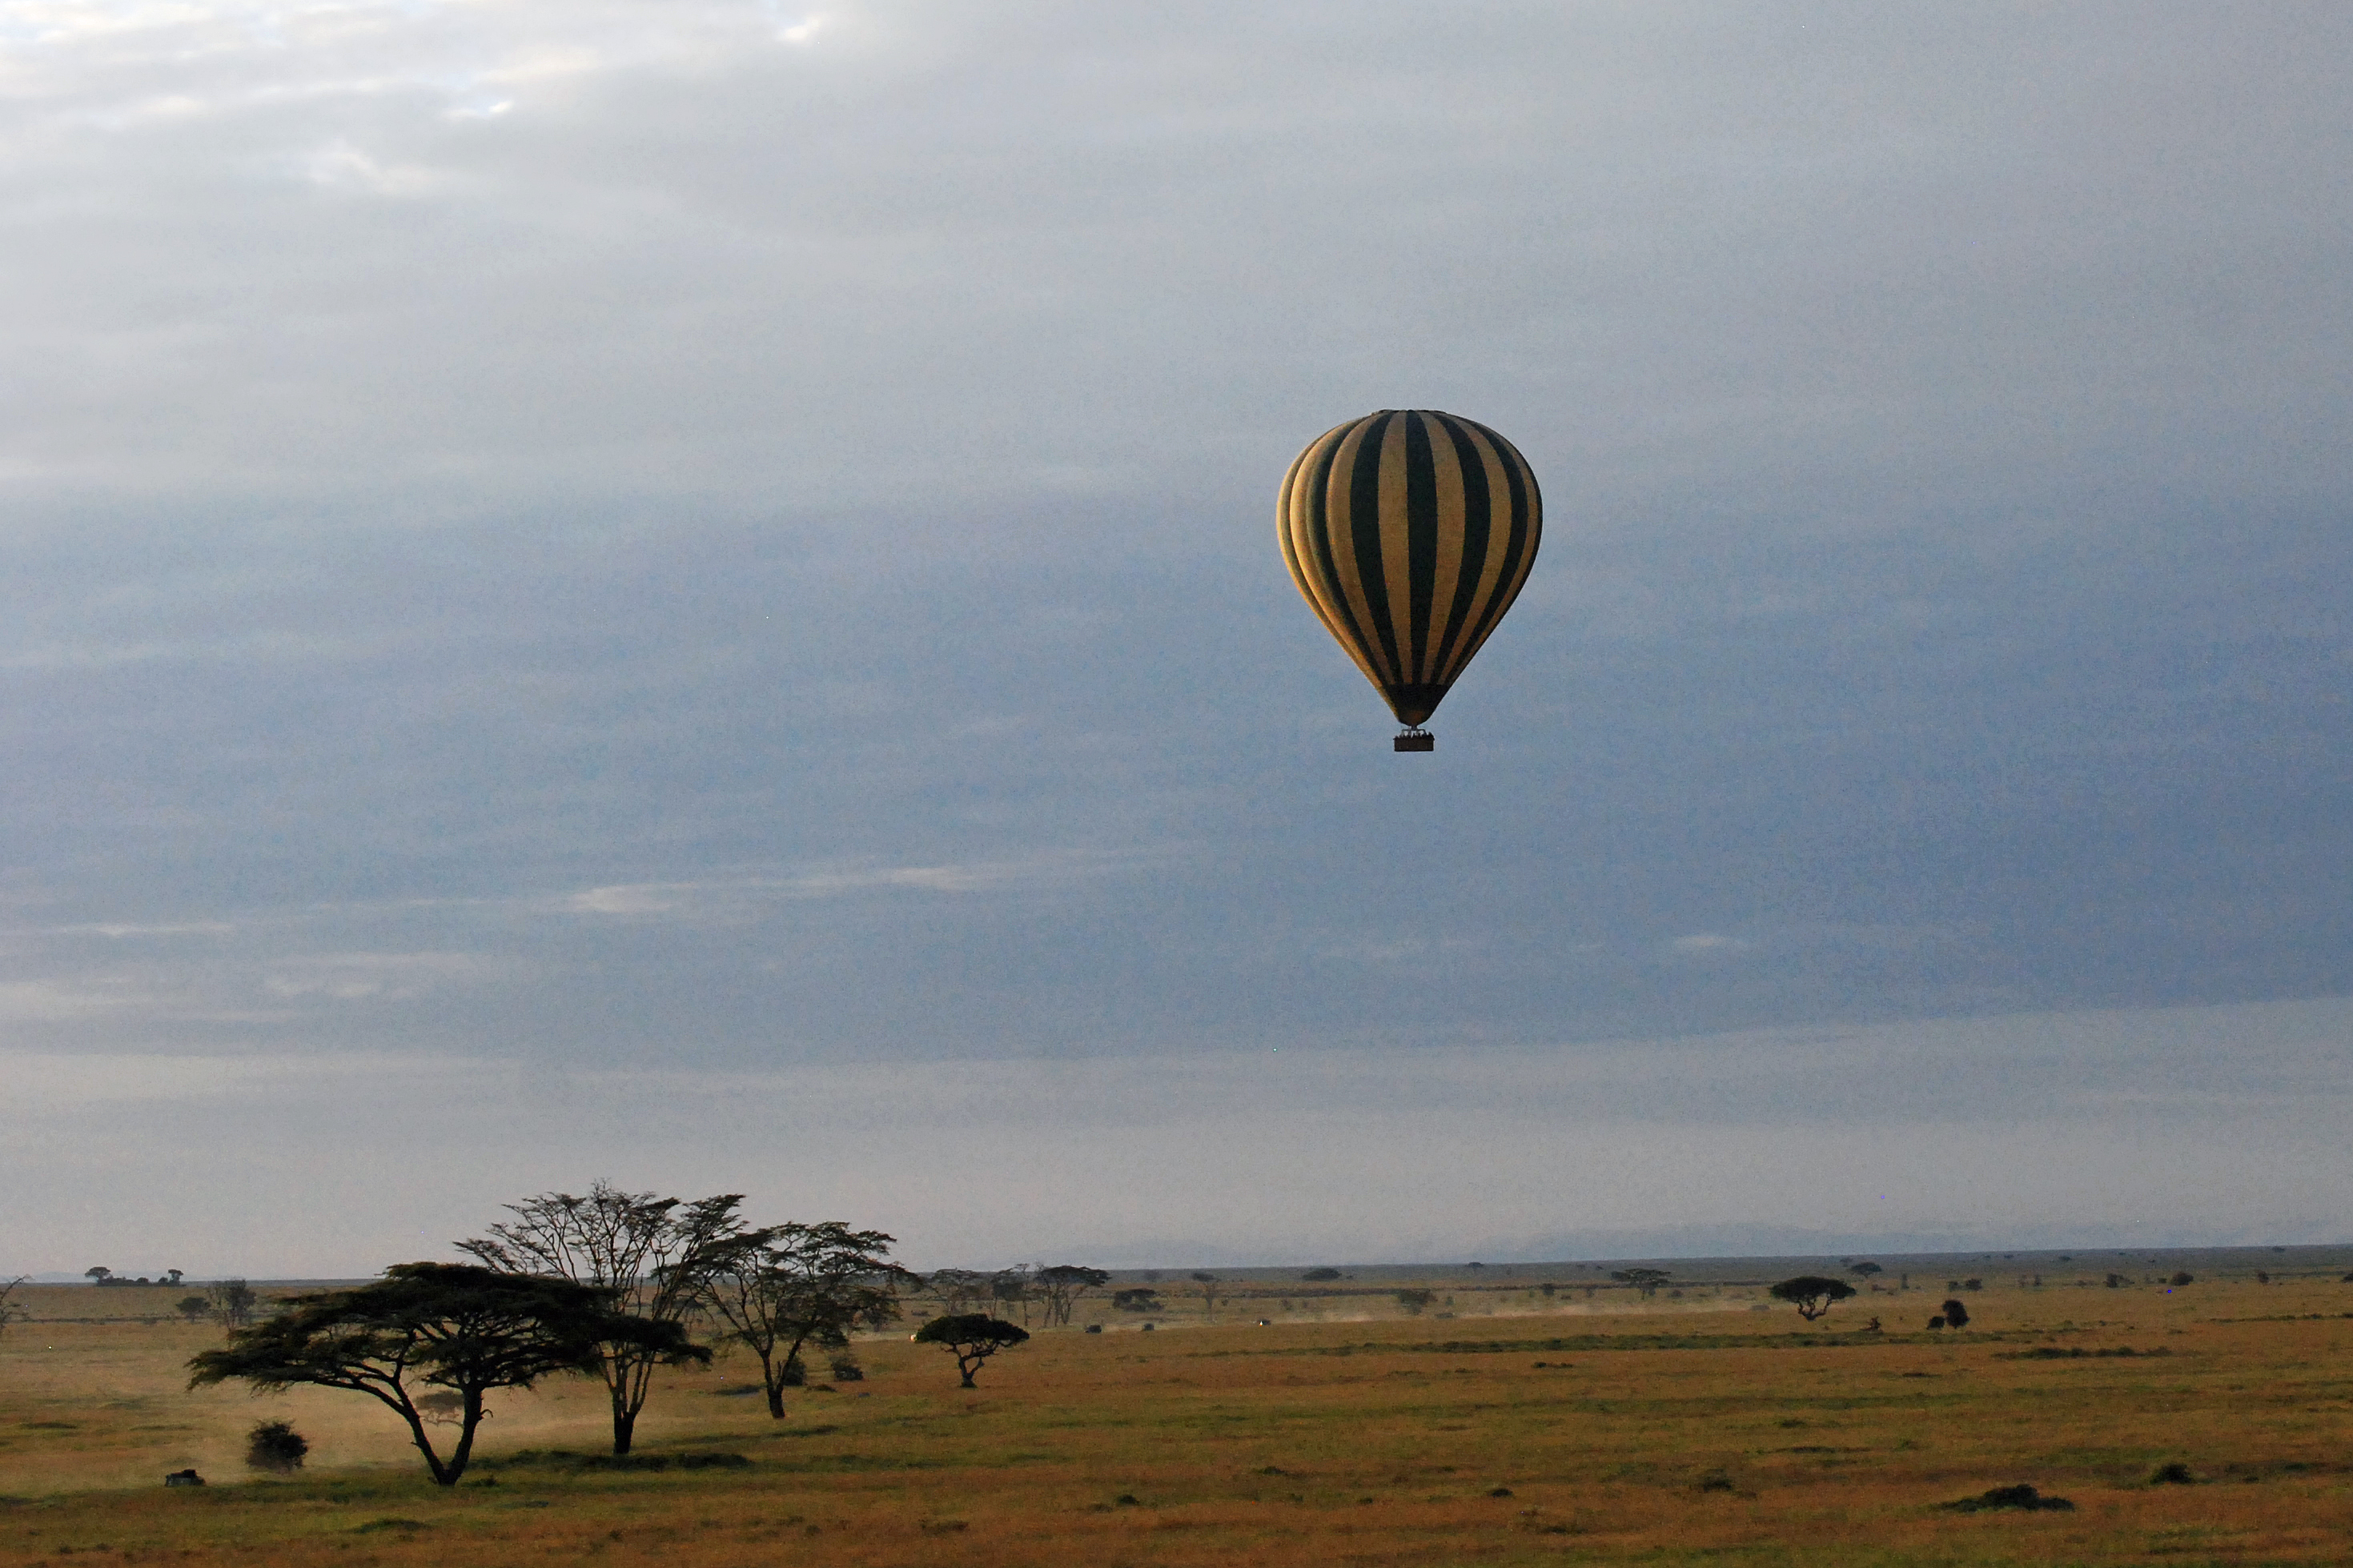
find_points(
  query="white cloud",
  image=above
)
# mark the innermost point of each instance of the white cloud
(1711, 943)
(382, 976)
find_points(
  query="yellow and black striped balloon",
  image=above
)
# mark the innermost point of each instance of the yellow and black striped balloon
(1410, 532)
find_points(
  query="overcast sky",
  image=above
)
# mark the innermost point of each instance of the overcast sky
(686, 592)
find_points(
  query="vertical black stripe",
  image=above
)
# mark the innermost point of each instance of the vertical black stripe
(1319, 535)
(1476, 527)
(1421, 542)
(1364, 538)
(1514, 542)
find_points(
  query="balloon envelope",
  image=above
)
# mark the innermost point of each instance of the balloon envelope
(1410, 532)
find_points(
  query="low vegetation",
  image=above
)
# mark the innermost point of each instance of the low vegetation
(1524, 1430)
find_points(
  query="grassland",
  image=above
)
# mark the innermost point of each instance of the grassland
(1521, 1429)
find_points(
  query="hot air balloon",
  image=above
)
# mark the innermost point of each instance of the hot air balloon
(1410, 532)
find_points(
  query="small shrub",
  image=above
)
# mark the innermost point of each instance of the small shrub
(275, 1447)
(1957, 1315)
(2182, 1279)
(2175, 1474)
(1319, 1275)
(2022, 1497)
(845, 1368)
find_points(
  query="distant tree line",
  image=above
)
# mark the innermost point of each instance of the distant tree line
(99, 1274)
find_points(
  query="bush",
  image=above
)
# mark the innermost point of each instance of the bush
(1415, 1300)
(1319, 1275)
(2176, 1474)
(2018, 1497)
(275, 1447)
(1955, 1315)
(2182, 1279)
(845, 1368)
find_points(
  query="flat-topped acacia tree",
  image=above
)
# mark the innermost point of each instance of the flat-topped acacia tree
(1811, 1294)
(424, 1327)
(972, 1338)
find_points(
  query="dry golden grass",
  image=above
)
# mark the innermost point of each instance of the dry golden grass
(1695, 1431)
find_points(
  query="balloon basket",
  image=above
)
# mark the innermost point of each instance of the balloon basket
(1416, 741)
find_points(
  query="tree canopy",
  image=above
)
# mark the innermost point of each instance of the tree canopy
(788, 1286)
(1061, 1285)
(1811, 1294)
(972, 1338)
(426, 1326)
(630, 1243)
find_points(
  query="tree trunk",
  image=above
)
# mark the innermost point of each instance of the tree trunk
(470, 1420)
(442, 1475)
(625, 1423)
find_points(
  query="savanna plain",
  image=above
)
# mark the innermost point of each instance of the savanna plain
(1502, 1425)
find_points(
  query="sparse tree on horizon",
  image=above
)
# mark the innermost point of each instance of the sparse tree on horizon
(972, 1338)
(1811, 1294)
(629, 1244)
(789, 1286)
(1015, 1287)
(231, 1302)
(9, 1311)
(1645, 1280)
(956, 1289)
(1209, 1288)
(1061, 1287)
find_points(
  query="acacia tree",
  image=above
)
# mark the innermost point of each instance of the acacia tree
(10, 1312)
(793, 1285)
(1645, 1280)
(972, 1338)
(1061, 1285)
(1015, 1287)
(956, 1289)
(1811, 1294)
(425, 1328)
(1209, 1288)
(232, 1302)
(630, 1243)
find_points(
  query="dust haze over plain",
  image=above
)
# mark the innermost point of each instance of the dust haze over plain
(687, 593)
